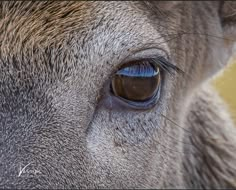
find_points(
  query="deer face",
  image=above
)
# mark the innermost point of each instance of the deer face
(97, 94)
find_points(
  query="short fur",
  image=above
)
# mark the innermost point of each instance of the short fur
(56, 59)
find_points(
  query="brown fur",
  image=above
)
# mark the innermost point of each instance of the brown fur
(56, 59)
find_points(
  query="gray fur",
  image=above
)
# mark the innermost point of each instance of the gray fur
(56, 59)
(214, 156)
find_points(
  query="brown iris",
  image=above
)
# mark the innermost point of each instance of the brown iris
(139, 82)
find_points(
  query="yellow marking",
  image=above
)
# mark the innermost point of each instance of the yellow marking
(225, 84)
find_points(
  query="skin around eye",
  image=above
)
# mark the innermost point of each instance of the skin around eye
(138, 83)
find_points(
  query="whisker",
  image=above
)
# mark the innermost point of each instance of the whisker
(209, 35)
(176, 140)
(170, 120)
(167, 148)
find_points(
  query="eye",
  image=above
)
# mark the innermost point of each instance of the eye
(138, 84)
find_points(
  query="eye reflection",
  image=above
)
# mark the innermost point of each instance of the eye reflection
(138, 82)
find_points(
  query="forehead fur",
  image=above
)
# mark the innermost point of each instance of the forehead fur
(26, 24)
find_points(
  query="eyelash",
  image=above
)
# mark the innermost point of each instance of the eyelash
(110, 101)
(160, 61)
(165, 64)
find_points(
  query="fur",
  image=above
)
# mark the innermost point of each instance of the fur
(56, 59)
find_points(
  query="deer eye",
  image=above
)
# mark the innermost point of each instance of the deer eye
(137, 83)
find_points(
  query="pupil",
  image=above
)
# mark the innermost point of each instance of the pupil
(136, 83)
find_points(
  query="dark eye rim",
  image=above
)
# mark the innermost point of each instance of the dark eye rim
(140, 105)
